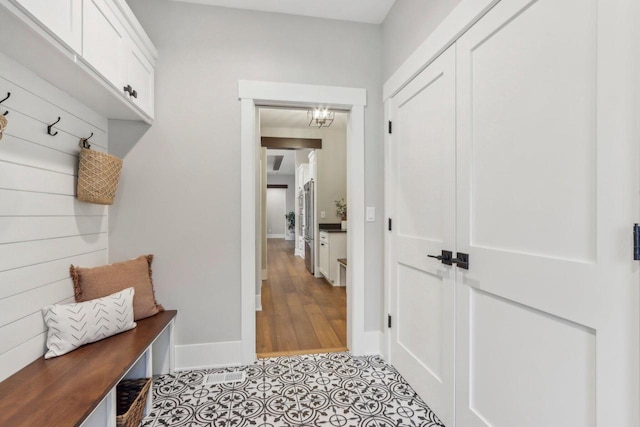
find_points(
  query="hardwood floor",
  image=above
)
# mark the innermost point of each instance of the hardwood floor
(300, 313)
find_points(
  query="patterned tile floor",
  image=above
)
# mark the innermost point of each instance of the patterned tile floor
(333, 390)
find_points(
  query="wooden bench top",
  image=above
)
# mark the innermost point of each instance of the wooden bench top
(63, 391)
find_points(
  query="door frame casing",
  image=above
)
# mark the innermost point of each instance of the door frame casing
(255, 94)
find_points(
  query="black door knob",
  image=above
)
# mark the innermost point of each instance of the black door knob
(445, 257)
(461, 260)
(128, 89)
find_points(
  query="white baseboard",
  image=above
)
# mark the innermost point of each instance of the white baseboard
(373, 342)
(275, 236)
(259, 302)
(209, 355)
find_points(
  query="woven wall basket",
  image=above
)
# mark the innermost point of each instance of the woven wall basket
(98, 176)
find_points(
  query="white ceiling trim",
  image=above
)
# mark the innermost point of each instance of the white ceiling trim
(368, 11)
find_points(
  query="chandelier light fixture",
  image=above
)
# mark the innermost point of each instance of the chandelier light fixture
(320, 117)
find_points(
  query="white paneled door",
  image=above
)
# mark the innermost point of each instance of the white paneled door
(547, 192)
(422, 288)
(519, 147)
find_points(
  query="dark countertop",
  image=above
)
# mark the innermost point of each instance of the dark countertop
(331, 228)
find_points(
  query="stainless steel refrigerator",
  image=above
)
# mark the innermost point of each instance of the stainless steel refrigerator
(309, 226)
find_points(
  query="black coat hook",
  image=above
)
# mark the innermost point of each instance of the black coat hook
(84, 142)
(8, 95)
(50, 126)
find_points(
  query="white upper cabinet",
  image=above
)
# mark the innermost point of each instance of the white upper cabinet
(104, 40)
(139, 79)
(110, 49)
(94, 50)
(62, 18)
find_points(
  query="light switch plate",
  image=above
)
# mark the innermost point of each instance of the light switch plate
(323, 214)
(371, 213)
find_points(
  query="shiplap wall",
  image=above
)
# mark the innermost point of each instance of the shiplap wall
(43, 227)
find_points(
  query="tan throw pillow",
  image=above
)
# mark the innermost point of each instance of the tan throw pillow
(98, 282)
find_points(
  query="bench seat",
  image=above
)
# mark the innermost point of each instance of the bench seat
(65, 390)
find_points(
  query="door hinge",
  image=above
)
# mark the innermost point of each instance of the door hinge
(388, 320)
(636, 242)
(390, 227)
(390, 126)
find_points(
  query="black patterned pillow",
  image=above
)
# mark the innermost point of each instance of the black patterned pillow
(73, 325)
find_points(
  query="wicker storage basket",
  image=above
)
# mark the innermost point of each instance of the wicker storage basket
(98, 176)
(132, 398)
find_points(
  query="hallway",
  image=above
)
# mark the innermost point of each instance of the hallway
(300, 313)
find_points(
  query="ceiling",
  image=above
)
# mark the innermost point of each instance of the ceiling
(297, 119)
(369, 11)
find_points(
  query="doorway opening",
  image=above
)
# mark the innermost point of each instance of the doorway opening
(255, 94)
(301, 303)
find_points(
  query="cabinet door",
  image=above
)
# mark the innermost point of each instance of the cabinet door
(140, 76)
(337, 250)
(324, 259)
(63, 18)
(104, 40)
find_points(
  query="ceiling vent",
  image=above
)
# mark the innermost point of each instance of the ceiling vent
(277, 162)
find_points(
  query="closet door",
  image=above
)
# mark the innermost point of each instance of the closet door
(422, 162)
(547, 321)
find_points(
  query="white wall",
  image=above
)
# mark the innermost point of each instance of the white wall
(43, 227)
(276, 205)
(180, 197)
(407, 25)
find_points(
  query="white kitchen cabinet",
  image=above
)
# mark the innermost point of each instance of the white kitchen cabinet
(61, 18)
(303, 174)
(323, 255)
(313, 167)
(333, 246)
(104, 41)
